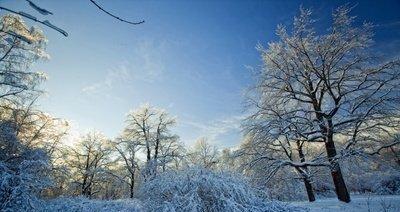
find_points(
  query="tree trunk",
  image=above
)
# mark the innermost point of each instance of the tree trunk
(132, 185)
(304, 173)
(307, 184)
(395, 155)
(309, 189)
(337, 177)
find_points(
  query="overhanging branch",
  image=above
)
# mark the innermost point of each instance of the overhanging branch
(114, 16)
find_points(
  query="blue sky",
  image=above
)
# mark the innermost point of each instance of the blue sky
(193, 58)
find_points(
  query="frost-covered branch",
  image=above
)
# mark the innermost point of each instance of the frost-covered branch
(33, 18)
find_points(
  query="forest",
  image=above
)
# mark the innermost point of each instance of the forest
(320, 120)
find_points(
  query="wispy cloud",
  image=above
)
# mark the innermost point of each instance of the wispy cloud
(216, 130)
(120, 74)
(146, 63)
(389, 24)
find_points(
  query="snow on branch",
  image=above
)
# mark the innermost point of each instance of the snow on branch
(377, 152)
(33, 18)
(39, 9)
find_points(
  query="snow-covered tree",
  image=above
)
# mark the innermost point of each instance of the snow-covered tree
(151, 127)
(328, 89)
(275, 154)
(17, 55)
(128, 151)
(36, 129)
(25, 153)
(24, 171)
(172, 154)
(203, 154)
(227, 160)
(89, 160)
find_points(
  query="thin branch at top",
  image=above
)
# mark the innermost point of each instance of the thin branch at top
(114, 16)
(39, 9)
(33, 18)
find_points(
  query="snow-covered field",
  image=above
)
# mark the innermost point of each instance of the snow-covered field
(359, 203)
(81, 204)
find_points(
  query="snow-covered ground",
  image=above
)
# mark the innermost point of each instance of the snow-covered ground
(359, 203)
(81, 204)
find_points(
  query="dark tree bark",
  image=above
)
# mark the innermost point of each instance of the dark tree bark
(337, 177)
(327, 130)
(306, 178)
(309, 189)
(132, 184)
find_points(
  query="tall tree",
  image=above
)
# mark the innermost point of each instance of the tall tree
(151, 127)
(16, 79)
(128, 151)
(25, 155)
(334, 84)
(171, 155)
(89, 160)
(204, 154)
(277, 153)
(36, 129)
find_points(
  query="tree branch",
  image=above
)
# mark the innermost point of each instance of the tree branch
(114, 16)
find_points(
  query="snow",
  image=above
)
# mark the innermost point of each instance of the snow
(188, 190)
(197, 189)
(359, 203)
(87, 205)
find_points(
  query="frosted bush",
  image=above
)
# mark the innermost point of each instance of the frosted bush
(19, 188)
(81, 204)
(22, 172)
(388, 184)
(200, 190)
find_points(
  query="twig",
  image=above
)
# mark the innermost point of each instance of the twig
(114, 16)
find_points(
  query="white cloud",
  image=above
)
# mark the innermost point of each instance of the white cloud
(145, 64)
(148, 63)
(113, 76)
(217, 129)
(389, 24)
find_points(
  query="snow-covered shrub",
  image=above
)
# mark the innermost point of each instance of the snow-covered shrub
(23, 172)
(82, 204)
(371, 175)
(19, 186)
(197, 189)
(283, 186)
(388, 184)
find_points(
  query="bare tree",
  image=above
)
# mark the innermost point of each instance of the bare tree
(203, 154)
(277, 153)
(172, 153)
(151, 127)
(31, 138)
(36, 129)
(19, 86)
(128, 151)
(16, 80)
(228, 160)
(330, 89)
(88, 160)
